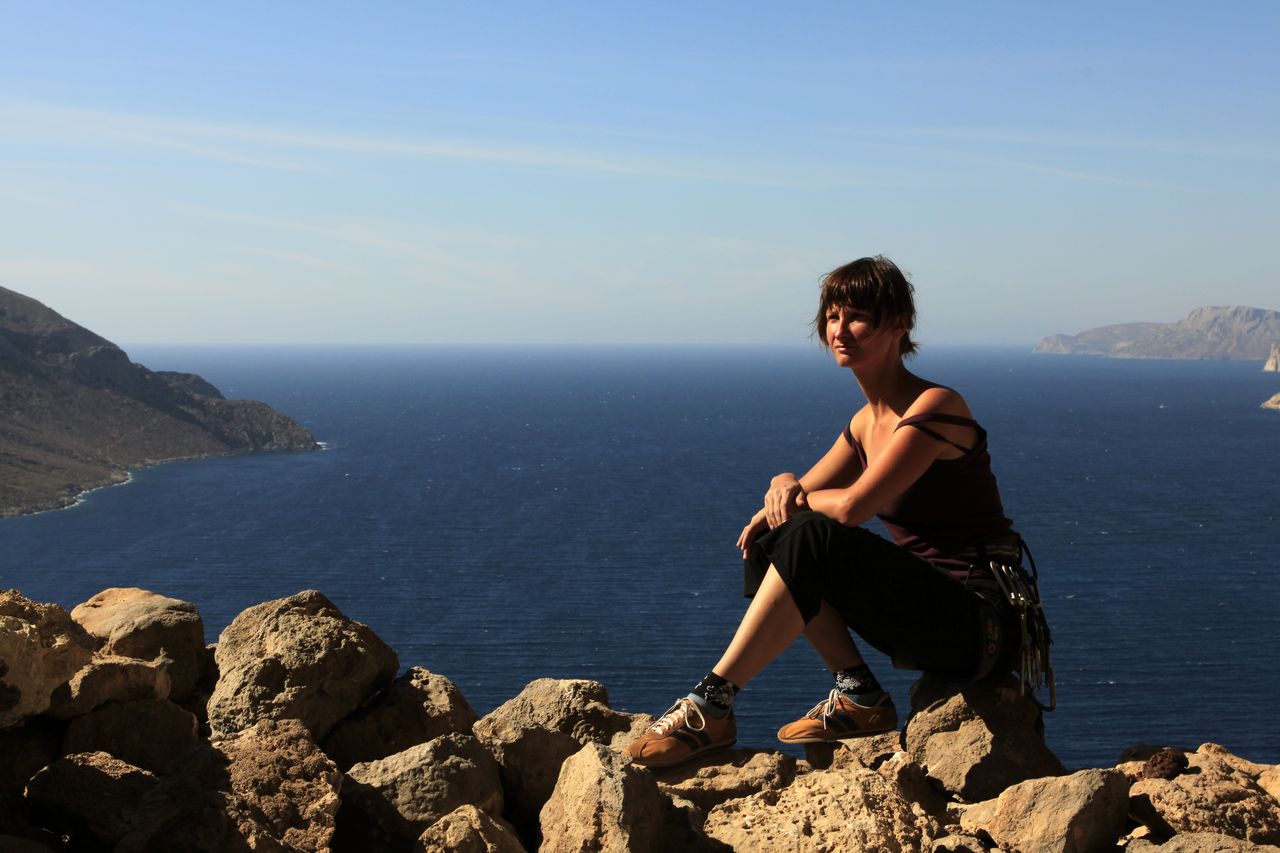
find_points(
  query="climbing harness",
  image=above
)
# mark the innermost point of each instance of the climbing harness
(1022, 590)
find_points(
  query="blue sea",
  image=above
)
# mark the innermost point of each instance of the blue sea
(499, 514)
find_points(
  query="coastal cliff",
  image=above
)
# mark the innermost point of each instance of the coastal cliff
(76, 413)
(1231, 332)
(122, 731)
(1273, 362)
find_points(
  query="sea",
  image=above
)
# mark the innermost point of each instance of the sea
(504, 513)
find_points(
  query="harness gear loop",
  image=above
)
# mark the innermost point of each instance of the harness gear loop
(1022, 590)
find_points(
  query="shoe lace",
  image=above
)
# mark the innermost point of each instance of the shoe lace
(826, 707)
(685, 712)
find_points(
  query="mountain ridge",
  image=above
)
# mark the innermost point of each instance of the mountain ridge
(1237, 332)
(76, 413)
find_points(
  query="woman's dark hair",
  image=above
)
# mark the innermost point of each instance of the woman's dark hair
(874, 285)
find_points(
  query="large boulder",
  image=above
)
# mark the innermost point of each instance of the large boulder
(139, 624)
(40, 648)
(728, 774)
(296, 658)
(148, 733)
(467, 829)
(602, 802)
(89, 797)
(1218, 793)
(109, 678)
(417, 707)
(976, 740)
(267, 788)
(532, 734)
(428, 781)
(828, 811)
(1080, 813)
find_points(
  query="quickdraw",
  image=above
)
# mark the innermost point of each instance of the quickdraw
(1022, 590)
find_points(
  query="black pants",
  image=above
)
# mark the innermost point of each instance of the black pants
(916, 613)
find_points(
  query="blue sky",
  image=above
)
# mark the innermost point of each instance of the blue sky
(409, 172)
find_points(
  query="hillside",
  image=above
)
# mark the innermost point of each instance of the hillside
(76, 413)
(1231, 332)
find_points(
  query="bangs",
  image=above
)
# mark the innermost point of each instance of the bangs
(874, 285)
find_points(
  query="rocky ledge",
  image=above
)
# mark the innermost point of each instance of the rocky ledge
(121, 731)
(76, 413)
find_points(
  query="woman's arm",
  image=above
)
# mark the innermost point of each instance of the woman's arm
(838, 467)
(904, 459)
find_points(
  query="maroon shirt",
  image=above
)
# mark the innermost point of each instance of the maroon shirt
(952, 508)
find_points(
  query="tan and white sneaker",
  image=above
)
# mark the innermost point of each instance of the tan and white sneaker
(839, 717)
(681, 734)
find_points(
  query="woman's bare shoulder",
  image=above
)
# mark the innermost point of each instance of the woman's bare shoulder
(939, 400)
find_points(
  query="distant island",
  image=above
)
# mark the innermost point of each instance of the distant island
(1273, 403)
(76, 413)
(1231, 332)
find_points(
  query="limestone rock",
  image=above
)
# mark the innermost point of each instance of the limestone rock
(296, 658)
(467, 829)
(110, 678)
(1273, 361)
(602, 802)
(532, 734)
(40, 648)
(915, 786)
(869, 752)
(828, 811)
(147, 733)
(1272, 403)
(136, 623)
(428, 781)
(1218, 794)
(1269, 781)
(417, 707)
(1200, 842)
(727, 774)
(976, 740)
(89, 796)
(1080, 813)
(268, 788)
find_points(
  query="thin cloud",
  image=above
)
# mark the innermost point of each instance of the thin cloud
(209, 139)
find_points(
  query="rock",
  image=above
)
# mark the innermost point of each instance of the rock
(1165, 764)
(1269, 781)
(147, 733)
(266, 788)
(417, 707)
(532, 734)
(89, 796)
(110, 678)
(1273, 361)
(957, 844)
(602, 802)
(428, 781)
(727, 774)
(136, 623)
(467, 829)
(296, 658)
(909, 778)
(1200, 842)
(40, 648)
(828, 811)
(869, 752)
(1080, 813)
(13, 844)
(1218, 793)
(976, 740)
(25, 750)
(1272, 403)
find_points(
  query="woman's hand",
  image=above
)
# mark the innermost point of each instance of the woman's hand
(754, 528)
(784, 497)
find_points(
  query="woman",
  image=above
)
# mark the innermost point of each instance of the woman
(912, 455)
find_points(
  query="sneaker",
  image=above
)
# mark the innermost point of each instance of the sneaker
(839, 717)
(682, 733)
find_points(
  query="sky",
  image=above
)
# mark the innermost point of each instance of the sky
(625, 173)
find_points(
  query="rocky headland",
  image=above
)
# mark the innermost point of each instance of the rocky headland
(297, 731)
(1273, 361)
(76, 413)
(1273, 403)
(1230, 332)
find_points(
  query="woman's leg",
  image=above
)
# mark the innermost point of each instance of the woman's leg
(829, 635)
(771, 623)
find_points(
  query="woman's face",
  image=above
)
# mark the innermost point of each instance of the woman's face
(855, 339)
